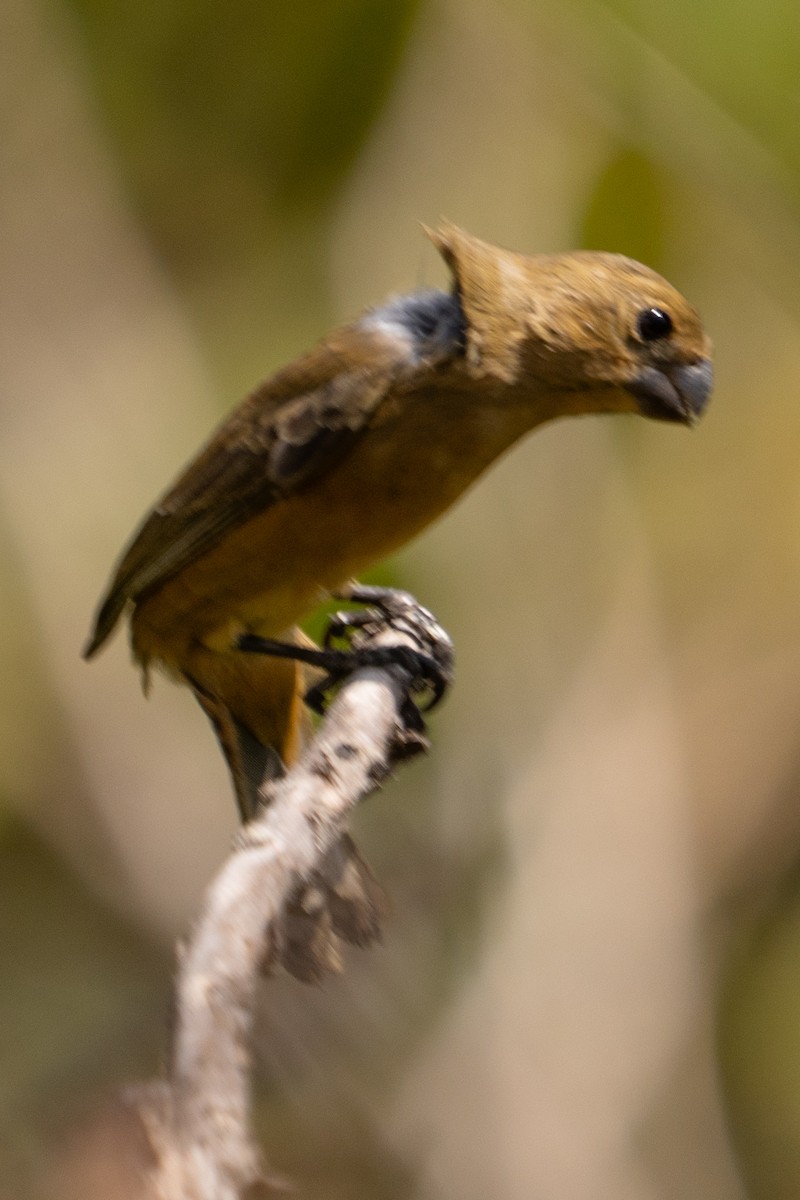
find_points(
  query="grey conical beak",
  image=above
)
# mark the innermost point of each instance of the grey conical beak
(674, 393)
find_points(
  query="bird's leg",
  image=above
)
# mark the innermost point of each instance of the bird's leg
(426, 664)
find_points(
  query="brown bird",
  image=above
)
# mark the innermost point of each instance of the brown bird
(350, 451)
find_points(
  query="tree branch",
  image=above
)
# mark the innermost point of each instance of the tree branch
(198, 1120)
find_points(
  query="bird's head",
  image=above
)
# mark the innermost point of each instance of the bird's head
(591, 332)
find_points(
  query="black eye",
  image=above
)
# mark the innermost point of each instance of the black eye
(653, 323)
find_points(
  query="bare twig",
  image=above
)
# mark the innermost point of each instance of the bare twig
(198, 1120)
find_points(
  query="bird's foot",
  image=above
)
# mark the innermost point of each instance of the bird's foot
(362, 638)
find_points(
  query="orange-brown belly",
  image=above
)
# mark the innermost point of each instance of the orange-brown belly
(268, 573)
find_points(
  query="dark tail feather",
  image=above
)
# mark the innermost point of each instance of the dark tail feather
(342, 903)
(251, 765)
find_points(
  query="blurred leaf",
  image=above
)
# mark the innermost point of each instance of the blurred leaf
(221, 113)
(745, 55)
(626, 211)
(760, 1052)
(83, 1001)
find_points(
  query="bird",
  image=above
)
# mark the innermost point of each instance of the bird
(350, 451)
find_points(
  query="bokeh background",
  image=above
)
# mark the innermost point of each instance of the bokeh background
(590, 984)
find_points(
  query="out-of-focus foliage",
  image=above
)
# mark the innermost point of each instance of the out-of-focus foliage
(628, 209)
(745, 57)
(760, 1042)
(252, 110)
(82, 1000)
(188, 194)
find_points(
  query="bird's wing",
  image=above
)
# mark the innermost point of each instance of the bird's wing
(284, 435)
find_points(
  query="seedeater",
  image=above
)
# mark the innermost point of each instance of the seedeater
(346, 454)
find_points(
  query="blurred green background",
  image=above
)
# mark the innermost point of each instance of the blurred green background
(590, 984)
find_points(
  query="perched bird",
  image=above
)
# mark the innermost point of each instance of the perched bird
(347, 453)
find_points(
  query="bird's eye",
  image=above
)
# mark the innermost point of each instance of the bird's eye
(653, 324)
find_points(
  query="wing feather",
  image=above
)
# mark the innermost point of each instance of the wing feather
(281, 438)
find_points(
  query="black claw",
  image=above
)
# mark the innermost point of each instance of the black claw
(317, 696)
(427, 669)
(341, 624)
